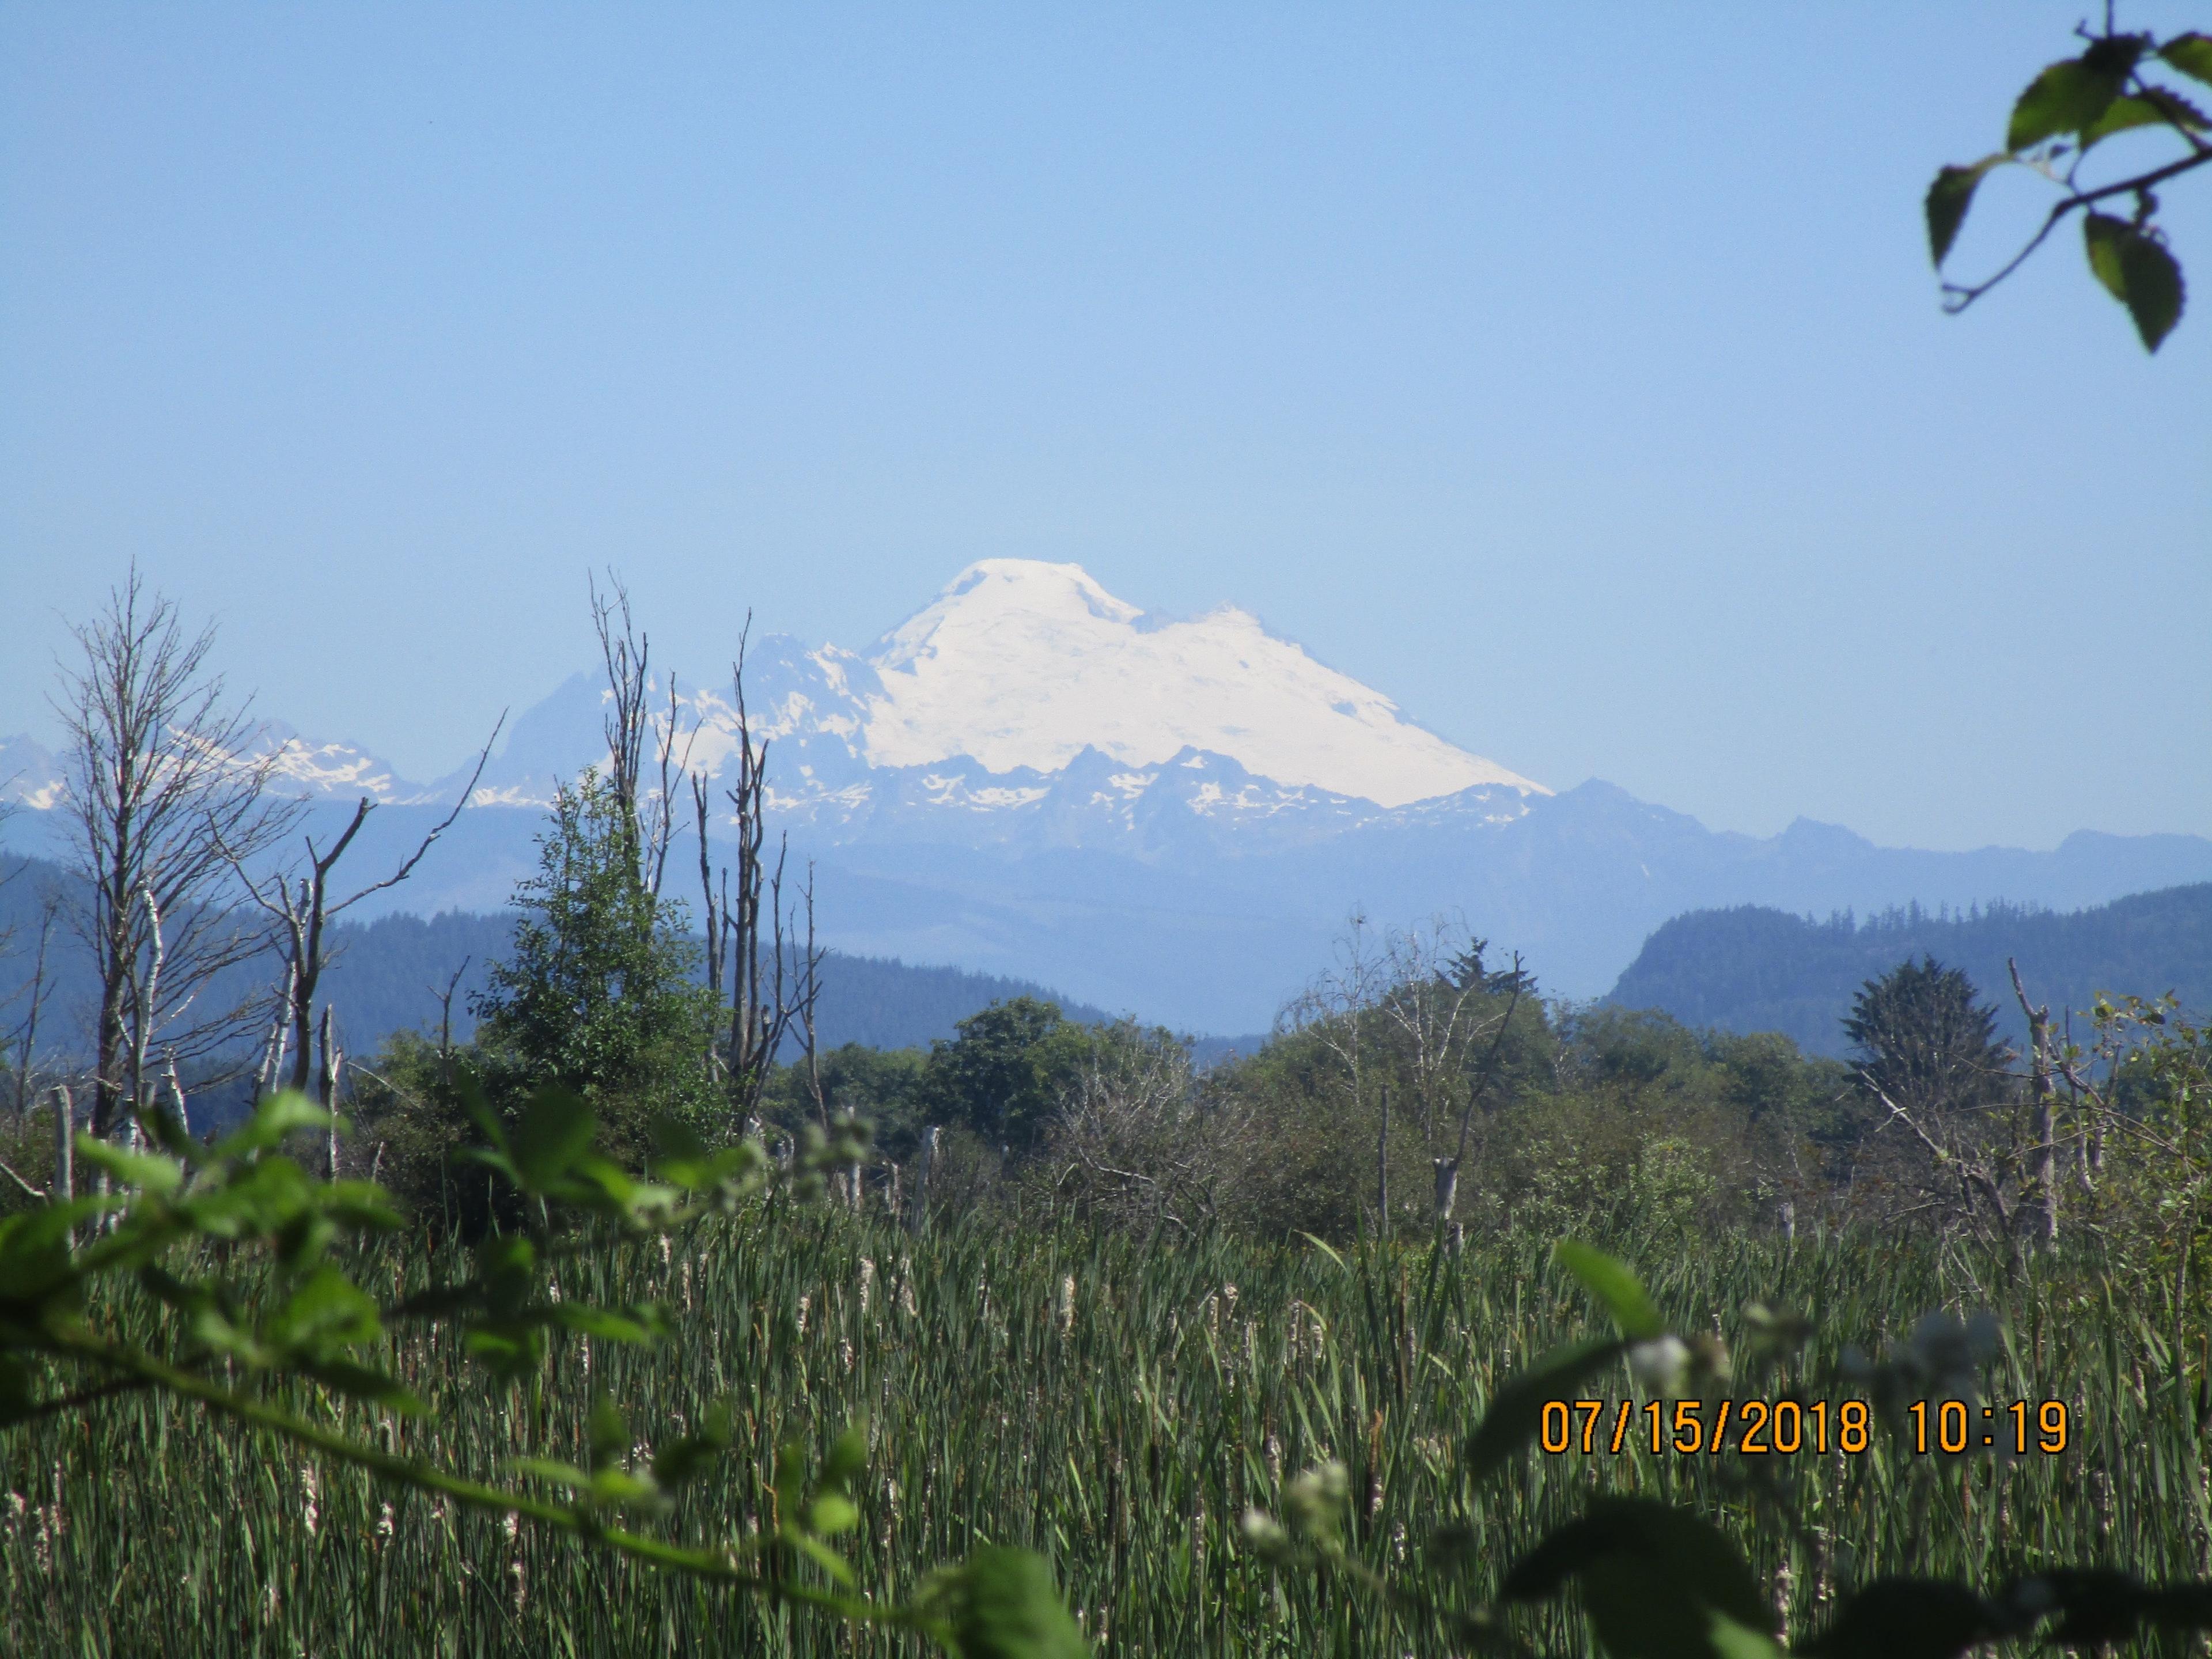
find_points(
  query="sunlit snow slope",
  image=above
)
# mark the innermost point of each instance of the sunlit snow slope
(1023, 663)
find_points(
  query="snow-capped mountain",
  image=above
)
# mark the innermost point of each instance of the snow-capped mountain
(32, 776)
(1031, 777)
(1027, 703)
(1023, 664)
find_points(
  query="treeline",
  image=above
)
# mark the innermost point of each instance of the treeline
(392, 974)
(1752, 968)
(1421, 1084)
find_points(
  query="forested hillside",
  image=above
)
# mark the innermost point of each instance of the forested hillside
(388, 975)
(1752, 968)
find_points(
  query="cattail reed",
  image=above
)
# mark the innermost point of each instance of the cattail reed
(1108, 1454)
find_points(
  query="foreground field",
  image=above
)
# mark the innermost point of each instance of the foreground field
(1114, 1405)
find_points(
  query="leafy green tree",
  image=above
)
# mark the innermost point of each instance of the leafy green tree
(882, 1086)
(2069, 110)
(1002, 1075)
(596, 995)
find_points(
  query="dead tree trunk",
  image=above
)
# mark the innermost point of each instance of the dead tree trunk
(925, 1160)
(64, 1187)
(767, 989)
(177, 1097)
(332, 1062)
(1478, 1093)
(303, 910)
(158, 788)
(27, 1051)
(1446, 1175)
(2043, 1155)
(1382, 1171)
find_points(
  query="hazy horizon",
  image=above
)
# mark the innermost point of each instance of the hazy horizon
(1614, 435)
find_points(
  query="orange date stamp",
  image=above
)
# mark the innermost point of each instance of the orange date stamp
(1790, 1428)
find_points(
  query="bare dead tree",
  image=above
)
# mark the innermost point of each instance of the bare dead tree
(26, 1041)
(2043, 1091)
(647, 818)
(332, 1069)
(145, 998)
(176, 1086)
(1133, 1143)
(754, 955)
(1337, 1007)
(446, 1022)
(1482, 1088)
(162, 789)
(273, 1051)
(60, 1186)
(299, 903)
(65, 1143)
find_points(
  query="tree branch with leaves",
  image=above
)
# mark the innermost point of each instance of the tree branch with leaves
(2067, 112)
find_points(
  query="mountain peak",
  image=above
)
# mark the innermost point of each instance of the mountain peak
(1020, 663)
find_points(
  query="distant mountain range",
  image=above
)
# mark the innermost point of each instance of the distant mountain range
(1033, 779)
(1750, 968)
(386, 975)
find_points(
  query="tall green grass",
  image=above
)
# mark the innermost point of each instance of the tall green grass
(1114, 1404)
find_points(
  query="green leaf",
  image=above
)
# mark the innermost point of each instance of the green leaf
(822, 1555)
(830, 1514)
(2157, 107)
(2102, 1607)
(1516, 1411)
(847, 1455)
(2068, 96)
(606, 1435)
(1729, 1640)
(1948, 198)
(620, 1489)
(34, 1255)
(1688, 1551)
(1657, 1582)
(16, 1402)
(602, 1323)
(2134, 265)
(507, 1352)
(2181, 1607)
(1006, 1607)
(566, 1476)
(327, 1310)
(360, 1382)
(273, 1120)
(1615, 1286)
(1322, 1246)
(146, 1170)
(675, 1463)
(1905, 1619)
(555, 1130)
(2192, 54)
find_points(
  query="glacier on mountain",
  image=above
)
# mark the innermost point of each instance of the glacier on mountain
(1020, 664)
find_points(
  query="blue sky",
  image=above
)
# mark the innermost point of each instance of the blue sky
(1575, 375)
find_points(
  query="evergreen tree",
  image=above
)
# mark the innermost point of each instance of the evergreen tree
(596, 994)
(1925, 1041)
